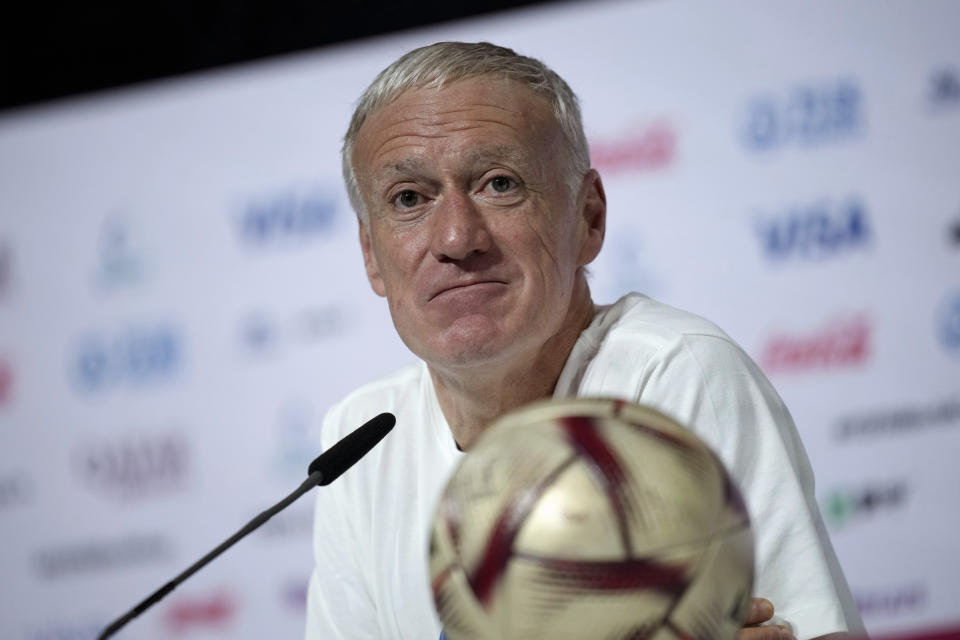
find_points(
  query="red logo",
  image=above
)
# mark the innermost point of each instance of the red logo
(842, 343)
(639, 149)
(6, 382)
(212, 611)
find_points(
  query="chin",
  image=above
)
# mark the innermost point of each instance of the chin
(466, 346)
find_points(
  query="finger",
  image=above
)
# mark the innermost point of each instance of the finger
(761, 610)
(771, 632)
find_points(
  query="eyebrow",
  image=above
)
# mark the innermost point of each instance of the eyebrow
(477, 155)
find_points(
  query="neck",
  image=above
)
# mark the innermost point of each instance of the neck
(472, 397)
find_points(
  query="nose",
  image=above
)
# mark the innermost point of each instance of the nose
(459, 229)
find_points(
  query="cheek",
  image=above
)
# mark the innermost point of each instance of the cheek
(552, 244)
(399, 259)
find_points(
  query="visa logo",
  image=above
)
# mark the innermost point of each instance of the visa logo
(816, 231)
(133, 357)
(289, 217)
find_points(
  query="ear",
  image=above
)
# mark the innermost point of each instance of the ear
(593, 212)
(370, 261)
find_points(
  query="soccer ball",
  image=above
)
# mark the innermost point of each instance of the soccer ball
(590, 519)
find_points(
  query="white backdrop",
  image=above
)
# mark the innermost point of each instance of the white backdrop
(182, 297)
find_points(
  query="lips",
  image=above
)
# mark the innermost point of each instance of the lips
(457, 286)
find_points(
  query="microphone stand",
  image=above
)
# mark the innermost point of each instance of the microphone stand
(312, 480)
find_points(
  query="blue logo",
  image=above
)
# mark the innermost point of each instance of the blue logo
(948, 324)
(815, 231)
(135, 357)
(286, 218)
(945, 88)
(808, 115)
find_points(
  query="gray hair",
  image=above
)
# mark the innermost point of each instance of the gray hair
(444, 62)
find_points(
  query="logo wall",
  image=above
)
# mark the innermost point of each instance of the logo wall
(807, 158)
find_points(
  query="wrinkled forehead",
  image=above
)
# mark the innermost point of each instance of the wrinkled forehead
(459, 97)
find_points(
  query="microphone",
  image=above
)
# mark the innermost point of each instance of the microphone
(351, 448)
(329, 466)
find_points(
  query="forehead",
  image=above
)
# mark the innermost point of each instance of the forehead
(475, 118)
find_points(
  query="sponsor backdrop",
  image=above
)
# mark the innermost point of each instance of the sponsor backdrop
(182, 295)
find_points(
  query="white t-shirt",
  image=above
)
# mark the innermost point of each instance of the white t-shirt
(372, 525)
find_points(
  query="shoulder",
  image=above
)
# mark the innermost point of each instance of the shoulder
(682, 364)
(655, 325)
(638, 338)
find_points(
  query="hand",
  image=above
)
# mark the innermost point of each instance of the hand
(761, 610)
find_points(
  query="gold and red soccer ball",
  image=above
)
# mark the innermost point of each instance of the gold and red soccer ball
(590, 518)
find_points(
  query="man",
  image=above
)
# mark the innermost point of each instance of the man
(469, 170)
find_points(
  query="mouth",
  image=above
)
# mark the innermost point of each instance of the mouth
(464, 286)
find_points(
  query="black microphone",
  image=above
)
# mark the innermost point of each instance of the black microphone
(351, 448)
(325, 469)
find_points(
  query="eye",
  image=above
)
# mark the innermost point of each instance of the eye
(407, 199)
(502, 184)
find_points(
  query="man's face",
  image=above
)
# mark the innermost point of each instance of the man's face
(473, 235)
